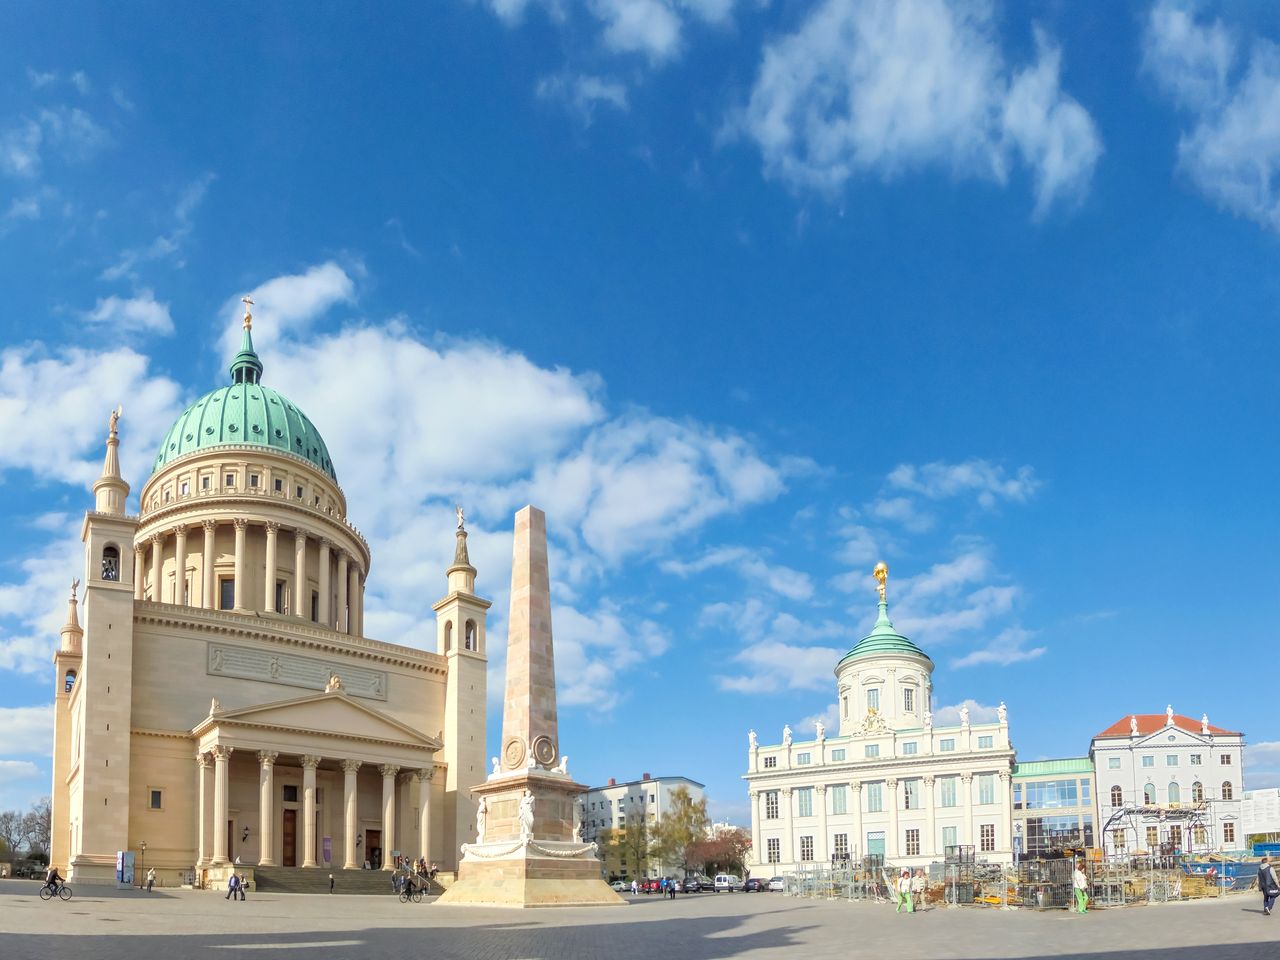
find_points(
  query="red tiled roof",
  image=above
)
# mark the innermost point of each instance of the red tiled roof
(1149, 723)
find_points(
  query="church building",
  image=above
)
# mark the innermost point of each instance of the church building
(890, 782)
(221, 703)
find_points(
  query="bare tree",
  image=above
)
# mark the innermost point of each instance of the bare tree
(12, 830)
(36, 826)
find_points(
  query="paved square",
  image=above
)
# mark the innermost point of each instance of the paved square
(112, 925)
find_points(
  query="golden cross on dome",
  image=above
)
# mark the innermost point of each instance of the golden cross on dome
(248, 317)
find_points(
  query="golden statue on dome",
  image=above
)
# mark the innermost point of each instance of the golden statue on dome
(881, 573)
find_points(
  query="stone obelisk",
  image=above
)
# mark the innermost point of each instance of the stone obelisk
(528, 850)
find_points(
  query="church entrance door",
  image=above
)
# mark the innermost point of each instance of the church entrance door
(373, 848)
(289, 837)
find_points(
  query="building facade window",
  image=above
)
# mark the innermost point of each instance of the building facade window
(770, 762)
(1118, 839)
(1195, 759)
(806, 848)
(1225, 759)
(911, 795)
(873, 698)
(948, 837)
(1175, 793)
(110, 563)
(839, 799)
(229, 480)
(913, 843)
(1197, 792)
(871, 750)
(986, 743)
(804, 802)
(226, 593)
(1170, 759)
(1117, 797)
(803, 759)
(1153, 838)
(987, 837)
(910, 749)
(946, 791)
(1113, 763)
(774, 847)
(1149, 794)
(1084, 792)
(837, 755)
(156, 800)
(771, 805)
(875, 797)
(909, 700)
(1226, 790)
(1017, 796)
(840, 846)
(1228, 833)
(946, 746)
(1198, 834)
(1052, 794)
(986, 788)
(1149, 760)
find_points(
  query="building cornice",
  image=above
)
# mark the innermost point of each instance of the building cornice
(882, 767)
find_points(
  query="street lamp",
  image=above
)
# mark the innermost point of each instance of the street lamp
(142, 845)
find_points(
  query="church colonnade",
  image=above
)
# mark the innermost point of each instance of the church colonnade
(250, 564)
(214, 845)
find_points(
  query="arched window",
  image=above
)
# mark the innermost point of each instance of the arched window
(1226, 789)
(1197, 792)
(448, 636)
(471, 641)
(70, 681)
(1175, 793)
(1149, 794)
(1117, 797)
(110, 563)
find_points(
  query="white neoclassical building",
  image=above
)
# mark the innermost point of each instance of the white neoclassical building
(890, 782)
(221, 702)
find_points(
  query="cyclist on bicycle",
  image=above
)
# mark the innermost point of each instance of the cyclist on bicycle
(409, 886)
(52, 880)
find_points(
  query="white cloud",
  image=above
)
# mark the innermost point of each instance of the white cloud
(1262, 765)
(167, 246)
(26, 730)
(40, 79)
(778, 649)
(286, 306)
(829, 717)
(859, 548)
(24, 208)
(901, 510)
(649, 27)
(136, 314)
(885, 88)
(11, 770)
(1232, 151)
(978, 713)
(1009, 646)
(753, 567)
(35, 607)
(20, 149)
(989, 482)
(582, 94)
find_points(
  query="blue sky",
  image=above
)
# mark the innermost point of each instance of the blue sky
(747, 295)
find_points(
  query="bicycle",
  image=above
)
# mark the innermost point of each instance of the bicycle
(414, 894)
(63, 892)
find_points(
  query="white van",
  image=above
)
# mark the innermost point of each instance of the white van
(727, 881)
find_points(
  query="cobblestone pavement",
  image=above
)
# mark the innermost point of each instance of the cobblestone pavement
(175, 925)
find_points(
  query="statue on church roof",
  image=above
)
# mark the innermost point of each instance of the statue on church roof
(462, 517)
(786, 735)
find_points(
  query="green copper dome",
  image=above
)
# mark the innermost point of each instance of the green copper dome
(245, 412)
(883, 641)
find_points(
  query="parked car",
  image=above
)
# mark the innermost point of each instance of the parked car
(755, 885)
(619, 886)
(777, 884)
(698, 884)
(727, 881)
(652, 885)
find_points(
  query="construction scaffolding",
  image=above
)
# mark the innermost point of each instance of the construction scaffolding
(1178, 828)
(842, 879)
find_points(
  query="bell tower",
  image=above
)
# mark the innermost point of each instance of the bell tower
(460, 638)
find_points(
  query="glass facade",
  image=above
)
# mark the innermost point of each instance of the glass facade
(1054, 833)
(1052, 794)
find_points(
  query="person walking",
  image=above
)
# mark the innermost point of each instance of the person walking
(904, 892)
(1268, 885)
(1080, 883)
(241, 885)
(918, 884)
(671, 889)
(233, 882)
(331, 884)
(151, 878)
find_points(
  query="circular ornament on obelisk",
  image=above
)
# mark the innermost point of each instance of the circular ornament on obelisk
(513, 753)
(544, 751)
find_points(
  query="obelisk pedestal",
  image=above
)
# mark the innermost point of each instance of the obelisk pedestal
(529, 851)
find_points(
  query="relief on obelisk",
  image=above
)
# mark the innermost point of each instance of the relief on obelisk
(530, 736)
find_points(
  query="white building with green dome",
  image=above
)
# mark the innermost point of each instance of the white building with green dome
(889, 781)
(221, 702)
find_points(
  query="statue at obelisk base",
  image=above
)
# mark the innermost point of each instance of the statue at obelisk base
(529, 851)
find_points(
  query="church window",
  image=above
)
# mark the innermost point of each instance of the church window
(230, 480)
(947, 746)
(315, 607)
(872, 750)
(806, 848)
(1199, 835)
(168, 495)
(70, 681)
(1118, 839)
(774, 846)
(156, 800)
(1197, 792)
(910, 748)
(844, 705)
(771, 805)
(280, 597)
(1226, 790)
(448, 645)
(205, 482)
(1175, 793)
(470, 640)
(873, 698)
(253, 479)
(909, 700)
(299, 493)
(1117, 796)
(185, 488)
(837, 755)
(110, 563)
(290, 793)
(1149, 793)
(226, 593)
(770, 762)
(986, 743)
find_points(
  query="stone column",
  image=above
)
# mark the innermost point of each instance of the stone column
(266, 807)
(323, 615)
(388, 771)
(221, 758)
(207, 599)
(301, 596)
(931, 828)
(756, 816)
(424, 812)
(180, 566)
(788, 841)
(340, 615)
(139, 570)
(353, 591)
(860, 841)
(157, 564)
(269, 579)
(242, 525)
(966, 788)
(202, 828)
(891, 834)
(349, 798)
(359, 595)
(820, 848)
(1005, 837)
(309, 764)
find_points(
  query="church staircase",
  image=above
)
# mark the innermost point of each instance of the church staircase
(348, 882)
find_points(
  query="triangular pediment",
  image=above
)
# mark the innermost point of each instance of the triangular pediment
(331, 714)
(1169, 737)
